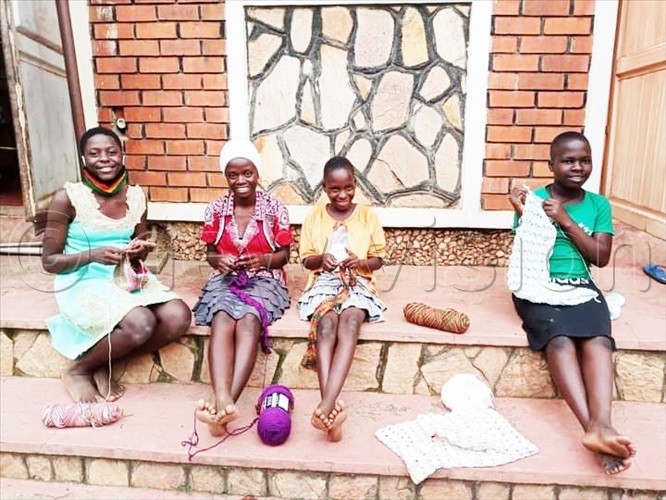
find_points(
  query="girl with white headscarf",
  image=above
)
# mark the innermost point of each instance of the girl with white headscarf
(248, 236)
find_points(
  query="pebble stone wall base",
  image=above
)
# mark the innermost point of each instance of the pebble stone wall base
(385, 367)
(412, 247)
(286, 484)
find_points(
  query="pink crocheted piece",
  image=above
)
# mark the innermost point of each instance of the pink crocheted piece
(81, 414)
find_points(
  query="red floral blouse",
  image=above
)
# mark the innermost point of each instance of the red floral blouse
(267, 230)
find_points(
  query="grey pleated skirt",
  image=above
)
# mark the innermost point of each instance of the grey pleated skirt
(217, 297)
(329, 285)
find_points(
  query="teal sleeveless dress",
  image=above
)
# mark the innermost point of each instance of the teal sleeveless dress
(91, 304)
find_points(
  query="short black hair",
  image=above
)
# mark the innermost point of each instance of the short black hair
(91, 132)
(338, 162)
(565, 137)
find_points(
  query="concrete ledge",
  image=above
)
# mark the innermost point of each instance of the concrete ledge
(27, 300)
(144, 449)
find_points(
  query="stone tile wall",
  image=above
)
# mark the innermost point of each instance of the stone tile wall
(382, 85)
(239, 481)
(387, 367)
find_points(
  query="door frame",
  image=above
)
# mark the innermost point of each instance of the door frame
(20, 130)
(626, 212)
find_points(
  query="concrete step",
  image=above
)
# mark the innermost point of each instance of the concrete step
(394, 357)
(144, 449)
(24, 489)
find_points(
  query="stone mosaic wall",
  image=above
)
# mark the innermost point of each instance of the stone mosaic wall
(386, 367)
(382, 85)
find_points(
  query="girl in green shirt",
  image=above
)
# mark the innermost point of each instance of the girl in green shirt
(577, 339)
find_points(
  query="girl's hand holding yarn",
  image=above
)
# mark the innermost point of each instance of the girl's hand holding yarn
(139, 248)
(517, 197)
(106, 255)
(222, 262)
(328, 262)
(251, 262)
(555, 210)
(351, 262)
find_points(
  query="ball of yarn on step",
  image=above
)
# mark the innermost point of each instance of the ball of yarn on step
(448, 320)
(274, 423)
(81, 414)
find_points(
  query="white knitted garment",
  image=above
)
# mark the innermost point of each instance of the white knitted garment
(473, 434)
(461, 438)
(528, 276)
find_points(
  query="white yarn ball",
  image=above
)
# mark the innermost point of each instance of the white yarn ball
(465, 391)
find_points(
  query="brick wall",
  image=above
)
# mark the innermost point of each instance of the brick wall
(541, 51)
(161, 65)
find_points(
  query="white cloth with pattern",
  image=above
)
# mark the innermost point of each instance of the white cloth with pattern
(528, 276)
(473, 434)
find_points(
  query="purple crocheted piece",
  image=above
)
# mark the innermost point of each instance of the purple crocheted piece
(236, 285)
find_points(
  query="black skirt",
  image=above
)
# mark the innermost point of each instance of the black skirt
(544, 322)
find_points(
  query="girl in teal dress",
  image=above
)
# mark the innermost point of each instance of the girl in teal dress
(91, 226)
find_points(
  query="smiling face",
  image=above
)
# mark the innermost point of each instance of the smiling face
(102, 157)
(572, 163)
(242, 177)
(340, 187)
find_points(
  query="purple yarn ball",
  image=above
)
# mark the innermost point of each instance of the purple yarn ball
(274, 424)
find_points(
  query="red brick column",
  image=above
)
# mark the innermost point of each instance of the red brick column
(161, 65)
(541, 51)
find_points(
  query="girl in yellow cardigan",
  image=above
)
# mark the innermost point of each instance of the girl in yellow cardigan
(342, 244)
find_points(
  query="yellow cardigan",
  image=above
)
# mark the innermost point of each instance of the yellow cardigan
(366, 236)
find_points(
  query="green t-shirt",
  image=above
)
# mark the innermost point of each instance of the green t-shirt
(593, 215)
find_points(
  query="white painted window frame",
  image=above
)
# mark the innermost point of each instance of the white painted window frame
(470, 215)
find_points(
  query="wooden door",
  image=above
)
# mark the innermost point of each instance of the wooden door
(635, 166)
(35, 65)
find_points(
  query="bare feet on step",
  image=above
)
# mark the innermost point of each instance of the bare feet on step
(80, 386)
(216, 415)
(337, 417)
(106, 391)
(606, 440)
(320, 421)
(612, 464)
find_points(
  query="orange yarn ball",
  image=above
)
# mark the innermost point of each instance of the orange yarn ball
(448, 320)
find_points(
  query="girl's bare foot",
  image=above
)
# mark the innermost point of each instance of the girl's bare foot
(319, 420)
(607, 440)
(80, 386)
(612, 464)
(337, 417)
(108, 392)
(217, 420)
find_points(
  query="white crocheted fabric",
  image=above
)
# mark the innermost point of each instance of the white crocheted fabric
(87, 207)
(474, 438)
(528, 276)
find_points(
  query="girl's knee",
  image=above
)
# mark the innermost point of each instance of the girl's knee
(249, 321)
(327, 328)
(138, 325)
(601, 342)
(350, 323)
(175, 318)
(560, 343)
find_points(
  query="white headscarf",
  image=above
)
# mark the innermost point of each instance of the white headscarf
(240, 148)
